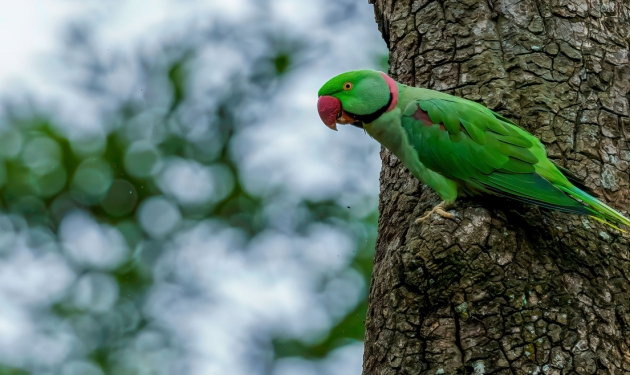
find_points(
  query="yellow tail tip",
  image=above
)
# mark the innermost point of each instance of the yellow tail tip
(608, 223)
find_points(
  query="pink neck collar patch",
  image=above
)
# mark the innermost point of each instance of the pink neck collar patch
(393, 89)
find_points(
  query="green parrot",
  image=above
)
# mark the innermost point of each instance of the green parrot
(456, 146)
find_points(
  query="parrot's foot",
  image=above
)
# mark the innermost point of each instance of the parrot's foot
(440, 210)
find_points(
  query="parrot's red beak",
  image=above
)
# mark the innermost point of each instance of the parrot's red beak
(331, 112)
(329, 109)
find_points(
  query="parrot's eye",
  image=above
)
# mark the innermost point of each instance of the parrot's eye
(347, 86)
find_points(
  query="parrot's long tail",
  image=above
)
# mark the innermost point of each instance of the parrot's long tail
(601, 211)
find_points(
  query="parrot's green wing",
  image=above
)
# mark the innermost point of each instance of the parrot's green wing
(485, 153)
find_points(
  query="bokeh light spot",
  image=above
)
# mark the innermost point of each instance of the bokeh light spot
(121, 198)
(92, 180)
(142, 159)
(192, 183)
(148, 124)
(49, 184)
(95, 292)
(89, 146)
(10, 142)
(158, 216)
(41, 155)
(91, 244)
(224, 182)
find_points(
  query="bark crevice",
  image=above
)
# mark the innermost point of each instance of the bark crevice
(458, 339)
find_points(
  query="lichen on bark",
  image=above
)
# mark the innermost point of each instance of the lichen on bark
(508, 288)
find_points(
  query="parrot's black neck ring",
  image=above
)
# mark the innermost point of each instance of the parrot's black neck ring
(366, 119)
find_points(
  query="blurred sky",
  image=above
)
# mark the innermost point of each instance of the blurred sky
(216, 295)
(30, 30)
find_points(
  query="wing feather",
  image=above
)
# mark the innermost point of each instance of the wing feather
(468, 143)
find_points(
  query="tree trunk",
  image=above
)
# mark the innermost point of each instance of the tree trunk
(508, 288)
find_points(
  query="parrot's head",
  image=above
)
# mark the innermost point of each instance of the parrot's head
(356, 98)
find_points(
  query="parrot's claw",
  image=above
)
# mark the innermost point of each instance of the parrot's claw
(439, 209)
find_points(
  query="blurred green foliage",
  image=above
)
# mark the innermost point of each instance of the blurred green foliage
(4, 370)
(351, 327)
(44, 175)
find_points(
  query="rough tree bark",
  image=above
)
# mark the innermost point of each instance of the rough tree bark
(508, 288)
